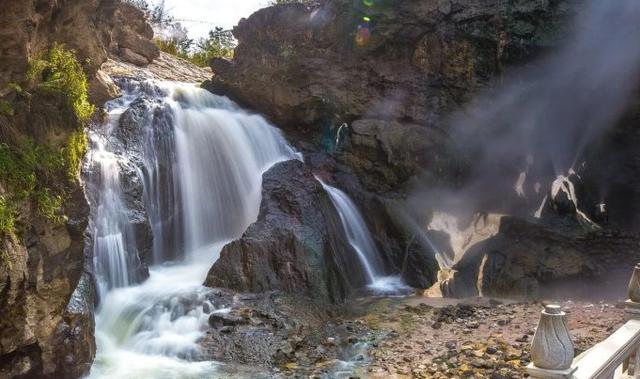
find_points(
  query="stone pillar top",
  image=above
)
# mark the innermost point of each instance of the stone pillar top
(553, 309)
(633, 290)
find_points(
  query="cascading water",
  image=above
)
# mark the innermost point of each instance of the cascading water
(359, 237)
(200, 160)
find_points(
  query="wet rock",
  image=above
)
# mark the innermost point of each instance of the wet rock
(218, 320)
(297, 244)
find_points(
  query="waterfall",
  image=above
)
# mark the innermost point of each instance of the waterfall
(361, 241)
(199, 160)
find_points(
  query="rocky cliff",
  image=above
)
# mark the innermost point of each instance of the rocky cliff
(47, 49)
(381, 86)
(389, 70)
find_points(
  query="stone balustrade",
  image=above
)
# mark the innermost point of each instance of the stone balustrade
(618, 356)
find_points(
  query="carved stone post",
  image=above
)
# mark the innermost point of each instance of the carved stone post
(632, 305)
(632, 312)
(551, 349)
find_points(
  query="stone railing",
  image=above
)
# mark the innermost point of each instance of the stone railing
(618, 356)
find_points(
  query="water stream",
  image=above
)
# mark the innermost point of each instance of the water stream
(361, 241)
(175, 173)
(200, 160)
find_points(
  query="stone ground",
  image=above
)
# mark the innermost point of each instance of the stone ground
(480, 338)
(277, 336)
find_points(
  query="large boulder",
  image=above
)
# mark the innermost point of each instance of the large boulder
(297, 244)
(526, 260)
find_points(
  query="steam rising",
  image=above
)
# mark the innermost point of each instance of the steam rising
(537, 126)
(534, 129)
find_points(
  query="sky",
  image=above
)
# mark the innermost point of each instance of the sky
(211, 13)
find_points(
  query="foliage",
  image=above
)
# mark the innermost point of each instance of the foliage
(219, 44)
(74, 152)
(24, 172)
(172, 38)
(59, 71)
(15, 87)
(50, 205)
(6, 108)
(30, 171)
(7, 217)
(173, 47)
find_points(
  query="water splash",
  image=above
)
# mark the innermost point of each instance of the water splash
(200, 159)
(359, 238)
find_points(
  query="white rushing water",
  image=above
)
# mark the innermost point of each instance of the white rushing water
(200, 159)
(360, 239)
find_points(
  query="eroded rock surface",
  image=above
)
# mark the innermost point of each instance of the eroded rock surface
(529, 260)
(46, 282)
(390, 79)
(297, 244)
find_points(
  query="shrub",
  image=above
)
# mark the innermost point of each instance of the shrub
(24, 171)
(219, 43)
(6, 108)
(59, 70)
(7, 217)
(29, 171)
(50, 206)
(74, 152)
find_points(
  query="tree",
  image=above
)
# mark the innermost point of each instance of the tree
(219, 43)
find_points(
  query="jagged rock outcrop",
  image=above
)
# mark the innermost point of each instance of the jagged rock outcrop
(387, 219)
(527, 260)
(95, 29)
(379, 87)
(390, 71)
(296, 246)
(42, 264)
(46, 282)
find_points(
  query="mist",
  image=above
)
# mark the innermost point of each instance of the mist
(518, 137)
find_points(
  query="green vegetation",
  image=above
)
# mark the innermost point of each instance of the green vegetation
(7, 217)
(6, 108)
(31, 171)
(50, 205)
(219, 44)
(74, 152)
(174, 40)
(24, 172)
(60, 71)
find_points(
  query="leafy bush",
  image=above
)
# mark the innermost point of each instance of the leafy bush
(50, 206)
(74, 152)
(219, 44)
(6, 108)
(29, 171)
(24, 172)
(7, 217)
(59, 71)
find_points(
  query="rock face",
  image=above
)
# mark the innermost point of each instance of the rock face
(43, 264)
(165, 67)
(376, 86)
(389, 71)
(296, 246)
(95, 29)
(533, 261)
(46, 283)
